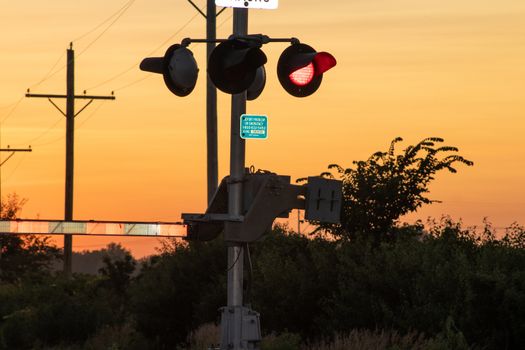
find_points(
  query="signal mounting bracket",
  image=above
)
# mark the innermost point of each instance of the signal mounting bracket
(258, 38)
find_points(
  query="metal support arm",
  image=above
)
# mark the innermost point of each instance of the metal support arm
(258, 38)
(266, 197)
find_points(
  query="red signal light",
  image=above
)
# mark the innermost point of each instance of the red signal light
(303, 76)
(300, 69)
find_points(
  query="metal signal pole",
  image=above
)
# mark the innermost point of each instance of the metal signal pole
(234, 313)
(70, 144)
(237, 160)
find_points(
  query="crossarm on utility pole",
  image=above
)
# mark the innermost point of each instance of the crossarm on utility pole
(77, 97)
(13, 151)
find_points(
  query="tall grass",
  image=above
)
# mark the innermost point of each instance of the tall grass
(208, 337)
(372, 340)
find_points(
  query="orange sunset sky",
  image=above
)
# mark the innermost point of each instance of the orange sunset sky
(410, 68)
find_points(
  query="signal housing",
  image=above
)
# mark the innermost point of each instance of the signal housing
(234, 63)
(300, 69)
(178, 68)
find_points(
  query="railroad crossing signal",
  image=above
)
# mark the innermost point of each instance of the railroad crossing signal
(300, 69)
(233, 65)
(237, 65)
(178, 67)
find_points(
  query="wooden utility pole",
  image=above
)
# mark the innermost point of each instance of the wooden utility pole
(211, 99)
(211, 105)
(70, 142)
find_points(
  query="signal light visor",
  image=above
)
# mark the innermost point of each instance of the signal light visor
(323, 61)
(300, 69)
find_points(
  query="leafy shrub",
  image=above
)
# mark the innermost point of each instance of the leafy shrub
(283, 341)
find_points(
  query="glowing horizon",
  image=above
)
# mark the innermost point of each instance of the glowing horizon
(452, 69)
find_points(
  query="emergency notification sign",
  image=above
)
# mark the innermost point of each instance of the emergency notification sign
(254, 126)
(249, 4)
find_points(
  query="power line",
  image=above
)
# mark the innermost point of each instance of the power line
(225, 20)
(30, 142)
(134, 66)
(123, 8)
(133, 83)
(49, 74)
(91, 114)
(126, 7)
(9, 105)
(15, 168)
(150, 53)
(10, 113)
(119, 12)
(48, 142)
(45, 143)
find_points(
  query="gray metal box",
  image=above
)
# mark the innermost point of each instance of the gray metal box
(324, 198)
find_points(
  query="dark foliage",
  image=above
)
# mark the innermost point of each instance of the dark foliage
(292, 276)
(117, 272)
(90, 262)
(179, 290)
(52, 310)
(454, 287)
(28, 256)
(421, 283)
(446, 282)
(378, 191)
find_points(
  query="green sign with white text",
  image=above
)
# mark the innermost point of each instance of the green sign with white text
(254, 126)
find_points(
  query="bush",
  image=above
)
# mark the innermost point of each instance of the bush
(283, 341)
(56, 311)
(180, 290)
(204, 337)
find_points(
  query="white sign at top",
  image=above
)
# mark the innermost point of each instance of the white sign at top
(249, 4)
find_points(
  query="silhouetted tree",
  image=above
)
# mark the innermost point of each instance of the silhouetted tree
(22, 255)
(179, 290)
(117, 268)
(10, 208)
(388, 185)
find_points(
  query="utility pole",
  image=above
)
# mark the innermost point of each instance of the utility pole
(70, 143)
(211, 104)
(211, 99)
